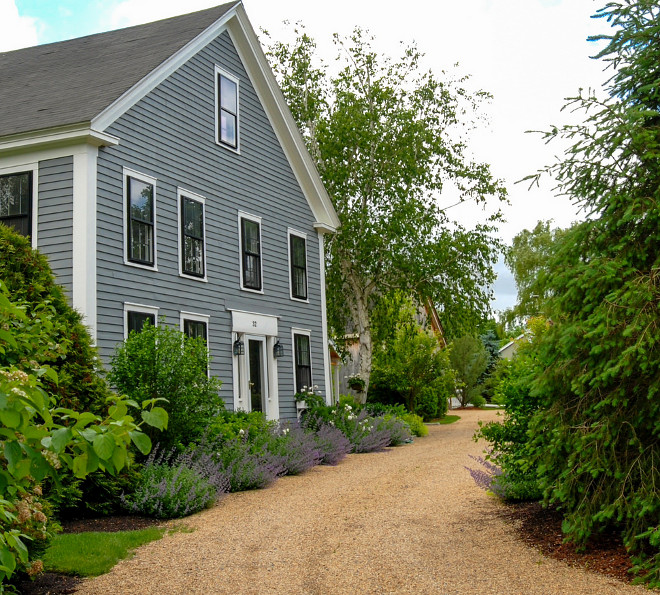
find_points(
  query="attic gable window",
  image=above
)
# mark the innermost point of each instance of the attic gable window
(227, 109)
(16, 202)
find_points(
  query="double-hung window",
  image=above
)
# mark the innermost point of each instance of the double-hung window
(192, 247)
(16, 202)
(250, 228)
(227, 109)
(140, 219)
(298, 265)
(303, 361)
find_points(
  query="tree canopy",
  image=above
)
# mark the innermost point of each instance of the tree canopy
(596, 437)
(387, 137)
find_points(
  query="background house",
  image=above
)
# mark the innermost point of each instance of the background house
(159, 169)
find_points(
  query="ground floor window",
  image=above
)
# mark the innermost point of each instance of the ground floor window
(303, 361)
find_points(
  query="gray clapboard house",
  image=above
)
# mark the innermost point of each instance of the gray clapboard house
(160, 170)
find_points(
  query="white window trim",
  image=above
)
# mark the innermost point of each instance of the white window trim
(299, 234)
(234, 79)
(33, 167)
(181, 193)
(143, 309)
(243, 215)
(148, 180)
(196, 317)
(301, 331)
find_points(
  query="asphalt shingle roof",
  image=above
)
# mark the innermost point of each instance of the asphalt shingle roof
(72, 81)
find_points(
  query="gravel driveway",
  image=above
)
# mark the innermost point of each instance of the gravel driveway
(410, 520)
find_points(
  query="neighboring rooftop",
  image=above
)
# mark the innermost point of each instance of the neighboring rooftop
(71, 82)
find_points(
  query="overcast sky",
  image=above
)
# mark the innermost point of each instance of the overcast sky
(530, 54)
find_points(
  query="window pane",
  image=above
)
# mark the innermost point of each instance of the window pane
(137, 320)
(16, 201)
(193, 218)
(228, 94)
(141, 200)
(227, 128)
(194, 328)
(298, 251)
(250, 236)
(193, 256)
(141, 246)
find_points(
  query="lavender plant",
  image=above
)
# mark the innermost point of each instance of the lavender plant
(176, 485)
(247, 466)
(486, 476)
(332, 443)
(298, 449)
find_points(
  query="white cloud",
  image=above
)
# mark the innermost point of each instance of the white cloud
(17, 31)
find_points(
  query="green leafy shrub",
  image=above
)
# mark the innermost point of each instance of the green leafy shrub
(40, 438)
(416, 424)
(469, 359)
(415, 371)
(509, 438)
(162, 362)
(64, 343)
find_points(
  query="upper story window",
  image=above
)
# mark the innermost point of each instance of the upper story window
(192, 235)
(250, 228)
(16, 202)
(226, 109)
(140, 219)
(303, 361)
(298, 265)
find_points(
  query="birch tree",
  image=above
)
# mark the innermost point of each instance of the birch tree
(387, 136)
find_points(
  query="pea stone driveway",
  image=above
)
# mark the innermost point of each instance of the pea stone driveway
(410, 520)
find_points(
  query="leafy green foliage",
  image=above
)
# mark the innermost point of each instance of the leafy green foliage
(95, 553)
(469, 359)
(163, 363)
(413, 370)
(386, 136)
(596, 437)
(527, 258)
(63, 344)
(509, 439)
(38, 438)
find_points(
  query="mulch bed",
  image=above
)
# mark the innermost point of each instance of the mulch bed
(540, 528)
(536, 526)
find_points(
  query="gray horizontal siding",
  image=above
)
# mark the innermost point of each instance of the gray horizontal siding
(170, 135)
(55, 217)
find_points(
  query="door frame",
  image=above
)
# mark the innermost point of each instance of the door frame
(251, 325)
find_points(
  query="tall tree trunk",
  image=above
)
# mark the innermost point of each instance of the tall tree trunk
(357, 299)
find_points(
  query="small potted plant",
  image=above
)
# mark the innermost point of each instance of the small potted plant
(356, 383)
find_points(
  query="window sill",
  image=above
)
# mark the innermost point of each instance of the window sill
(259, 291)
(301, 300)
(193, 278)
(236, 150)
(144, 267)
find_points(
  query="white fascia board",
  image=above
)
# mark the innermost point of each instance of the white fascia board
(122, 104)
(62, 136)
(271, 97)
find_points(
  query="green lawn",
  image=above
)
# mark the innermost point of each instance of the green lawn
(447, 419)
(94, 553)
